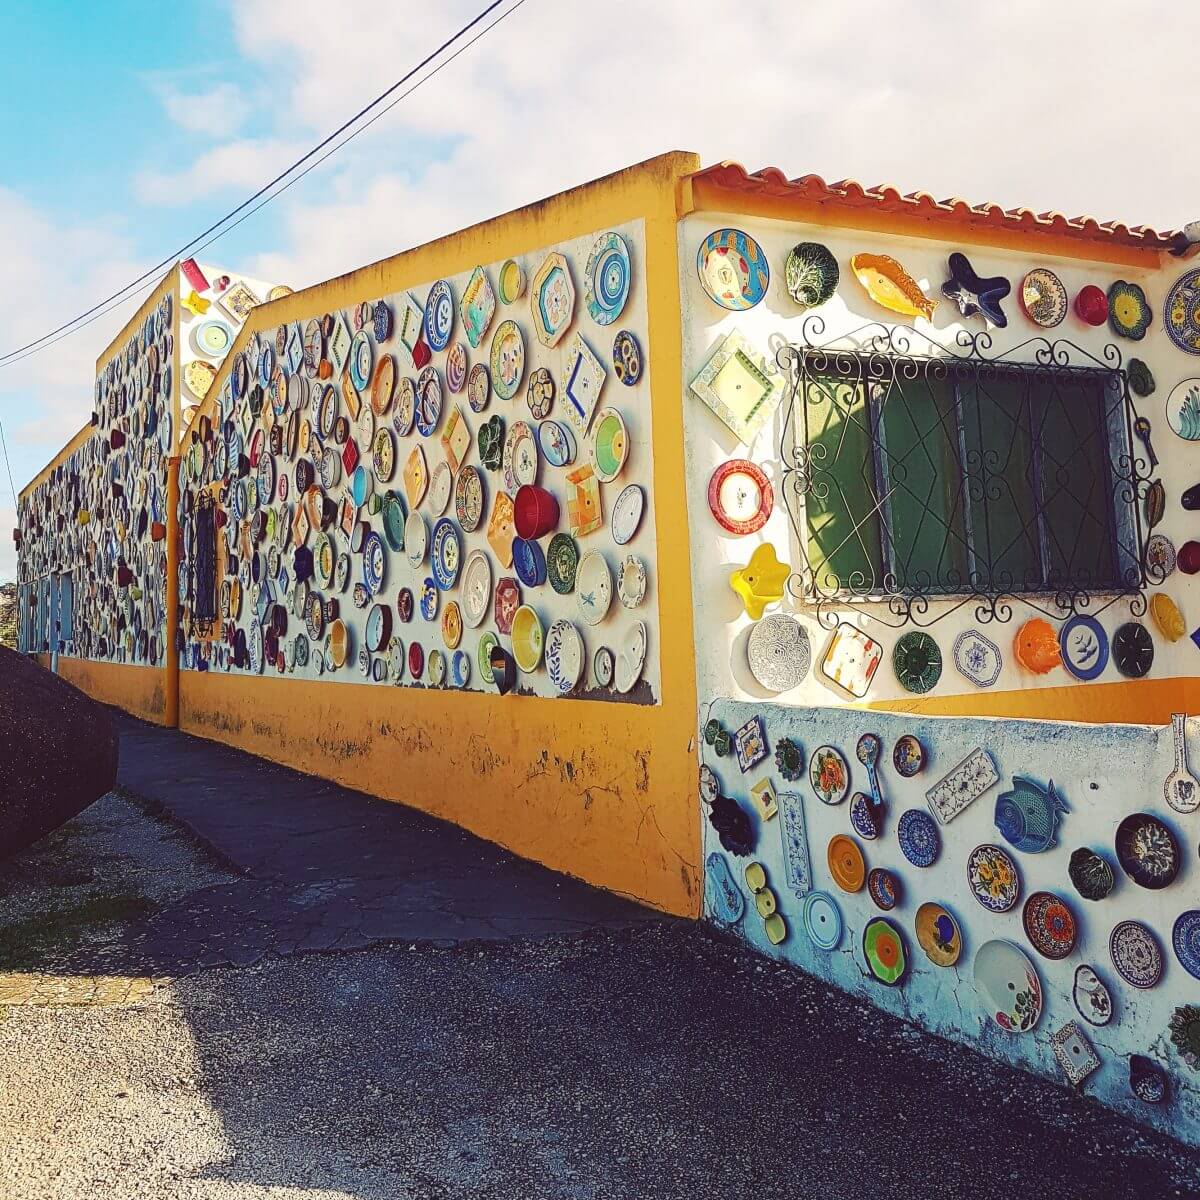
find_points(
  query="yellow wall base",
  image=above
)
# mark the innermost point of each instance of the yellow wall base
(137, 690)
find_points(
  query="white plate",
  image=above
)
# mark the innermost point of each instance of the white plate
(631, 581)
(627, 514)
(416, 539)
(441, 485)
(476, 588)
(593, 587)
(564, 655)
(631, 658)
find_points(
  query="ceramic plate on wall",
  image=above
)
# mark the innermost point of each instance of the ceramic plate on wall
(565, 656)
(740, 496)
(829, 775)
(1136, 954)
(822, 920)
(733, 269)
(627, 514)
(938, 934)
(994, 878)
(779, 652)
(1009, 984)
(593, 587)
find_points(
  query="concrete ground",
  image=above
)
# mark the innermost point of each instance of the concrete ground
(241, 983)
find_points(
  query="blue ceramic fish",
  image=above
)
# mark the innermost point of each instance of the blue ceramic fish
(1028, 816)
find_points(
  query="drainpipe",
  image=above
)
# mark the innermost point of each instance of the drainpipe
(170, 633)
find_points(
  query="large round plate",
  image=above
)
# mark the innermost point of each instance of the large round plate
(993, 876)
(938, 934)
(917, 835)
(565, 655)
(507, 359)
(733, 269)
(829, 775)
(520, 458)
(846, 863)
(884, 952)
(441, 485)
(447, 553)
(1050, 925)
(1009, 984)
(439, 316)
(1147, 851)
(1181, 312)
(606, 278)
(594, 587)
(610, 444)
(822, 920)
(1136, 954)
(1185, 939)
(740, 496)
(1084, 647)
(211, 338)
(476, 588)
(778, 652)
(627, 514)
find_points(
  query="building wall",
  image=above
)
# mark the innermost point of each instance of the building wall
(1106, 769)
(596, 782)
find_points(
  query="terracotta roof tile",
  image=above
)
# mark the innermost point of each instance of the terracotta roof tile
(886, 198)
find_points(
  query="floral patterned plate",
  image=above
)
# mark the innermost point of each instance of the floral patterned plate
(829, 775)
(994, 878)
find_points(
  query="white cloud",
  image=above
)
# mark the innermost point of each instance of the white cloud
(216, 112)
(241, 166)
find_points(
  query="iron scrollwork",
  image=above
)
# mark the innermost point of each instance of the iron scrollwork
(958, 392)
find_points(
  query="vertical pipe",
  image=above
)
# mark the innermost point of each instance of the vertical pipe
(170, 634)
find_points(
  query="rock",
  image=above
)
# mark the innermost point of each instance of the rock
(58, 751)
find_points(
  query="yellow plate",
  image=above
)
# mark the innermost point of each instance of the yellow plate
(1167, 616)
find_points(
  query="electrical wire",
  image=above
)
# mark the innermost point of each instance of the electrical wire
(13, 356)
(12, 486)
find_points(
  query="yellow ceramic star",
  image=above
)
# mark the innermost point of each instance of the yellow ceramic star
(761, 581)
(195, 303)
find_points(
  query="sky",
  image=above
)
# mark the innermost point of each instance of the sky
(138, 126)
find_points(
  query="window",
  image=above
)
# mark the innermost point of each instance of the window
(203, 556)
(954, 477)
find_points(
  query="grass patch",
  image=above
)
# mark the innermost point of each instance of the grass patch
(34, 941)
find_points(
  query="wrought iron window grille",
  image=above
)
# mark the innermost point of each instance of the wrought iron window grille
(203, 555)
(920, 478)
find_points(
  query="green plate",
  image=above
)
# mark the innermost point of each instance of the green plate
(562, 561)
(483, 656)
(917, 662)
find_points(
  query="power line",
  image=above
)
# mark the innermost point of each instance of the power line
(69, 326)
(116, 301)
(4, 447)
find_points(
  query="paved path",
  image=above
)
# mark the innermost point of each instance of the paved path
(622, 1056)
(326, 868)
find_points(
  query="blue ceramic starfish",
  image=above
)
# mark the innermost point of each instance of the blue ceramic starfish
(973, 294)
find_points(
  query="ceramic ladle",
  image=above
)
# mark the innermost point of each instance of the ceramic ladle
(1182, 787)
(868, 750)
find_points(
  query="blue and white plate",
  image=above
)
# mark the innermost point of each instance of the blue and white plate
(725, 900)
(429, 599)
(606, 278)
(360, 360)
(529, 562)
(862, 816)
(439, 316)
(429, 401)
(446, 555)
(1084, 646)
(822, 920)
(460, 669)
(917, 833)
(1185, 938)
(373, 563)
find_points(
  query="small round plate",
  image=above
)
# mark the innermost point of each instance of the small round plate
(460, 669)
(908, 756)
(822, 920)
(610, 444)
(1185, 940)
(565, 656)
(456, 367)
(476, 588)
(627, 358)
(447, 554)
(829, 775)
(469, 498)
(917, 661)
(1136, 954)
(562, 563)
(884, 888)
(740, 496)
(1043, 298)
(1084, 647)
(428, 401)
(603, 666)
(1050, 925)
(416, 539)
(1147, 851)
(594, 587)
(631, 581)
(557, 443)
(778, 652)
(606, 278)
(439, 316)
(441, 485)
(884, 951)
(733, 269)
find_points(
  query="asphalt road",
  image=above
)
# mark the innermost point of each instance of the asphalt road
(620, 1057)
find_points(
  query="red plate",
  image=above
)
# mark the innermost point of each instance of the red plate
(416, 660)
(740, 496)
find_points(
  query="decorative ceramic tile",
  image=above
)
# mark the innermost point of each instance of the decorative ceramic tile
(765, 801)
(851, 660)
(740, 386)
(750, 741)
(1074, 1052)
(977, 658)
(796, 864)
(962, 786)
(583, 380)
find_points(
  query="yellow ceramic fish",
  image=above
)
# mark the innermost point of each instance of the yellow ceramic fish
(1167, 616)
(890, 285)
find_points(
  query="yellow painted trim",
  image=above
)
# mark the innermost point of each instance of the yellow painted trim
(133, 325)
(1131, 702)
(703, 195)
(75, 442)
(138, 690)
(171, 614)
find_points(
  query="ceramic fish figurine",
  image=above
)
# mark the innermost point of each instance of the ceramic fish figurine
(1028, 816)
(890, 285)
(974, 294)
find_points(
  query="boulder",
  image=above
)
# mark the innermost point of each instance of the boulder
(58, 751)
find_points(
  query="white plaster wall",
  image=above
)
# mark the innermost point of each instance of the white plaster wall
(1098, 770)
(722, 627)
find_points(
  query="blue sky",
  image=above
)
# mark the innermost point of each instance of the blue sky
(139, 124)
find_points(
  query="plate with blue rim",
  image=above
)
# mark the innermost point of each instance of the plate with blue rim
(917, 835)
(446, 554)
(822, 920)
(439, 316)
(1084, 647)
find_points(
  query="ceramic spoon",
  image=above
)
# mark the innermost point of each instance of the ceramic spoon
(869, 746)
(1182, 787)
